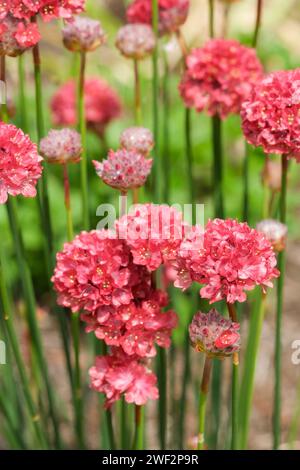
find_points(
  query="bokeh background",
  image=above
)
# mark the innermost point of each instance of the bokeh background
(278, 48)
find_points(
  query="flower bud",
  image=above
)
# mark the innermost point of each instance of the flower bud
(135, 41)
(139, 139)
(83, 34)
(61, 146)
(275, 232)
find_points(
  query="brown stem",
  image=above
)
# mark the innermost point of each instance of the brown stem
(182, 43)
(226, 11)
(135, 194)
(66, 186)
(257, 22)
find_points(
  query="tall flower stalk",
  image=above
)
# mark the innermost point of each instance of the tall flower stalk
(203, 401)
(235, 387)
(82, 130)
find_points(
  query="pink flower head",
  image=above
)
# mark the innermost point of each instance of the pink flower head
(214, 335)
(48, 9)
(172, 13)
(275, 232)
(119, 374)
(95, 270)
(136, 327)
(219, 77)
(230, 258)
(139, 139)
(153, 233)
(135, 41)
(271, 114)
(16, 36)
(124, 169)
(20, 164)
(83, 34)
(102, 105)
(61, 146)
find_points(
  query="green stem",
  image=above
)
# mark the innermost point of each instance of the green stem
(183, 397)
(14, 342)
(15, 433)
(123, 421)
(247, 385)
(28, 292)
(246, 184)
(218, 166)
(280, 286)
(137, 92)
(75, 327)
(138, 443)
(166, 117)
(235, 387)
(295, 421)
(155, 94)
(22, 95)
(70, 229)
(82, 130)
(3, 106)
(162, 403)
(189, 155)
(257, 22)
(110, 430)
(211, 18)
(202, 402)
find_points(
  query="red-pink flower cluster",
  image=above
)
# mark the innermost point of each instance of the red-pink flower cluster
(219, 77)
(102, 105)
(172, 13)
(271, 115)
(118, 374)
(96, 273)
(229, 258)
(153, 232)
(17, 35)
(47, 9)
(20, 164)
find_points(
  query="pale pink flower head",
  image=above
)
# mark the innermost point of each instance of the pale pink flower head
(95, 270)
(139, 139)
(275, 232)
(16, 36)
(230, 259)
(135, 41)
(61, 146)
(271, 174)
(124, 169)
(271, 114)
(219, 76)
(172, 13)
(118, 374)
(20, 163)
(214, 335)
(153, 232)
(83, 34)
(102, 105)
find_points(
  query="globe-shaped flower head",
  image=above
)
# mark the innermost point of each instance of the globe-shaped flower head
(137, 138)
(135, 41)
(271, 114)
(61, 146)
(219, 76)
(16, 36)
(20, 163)
(83, 34)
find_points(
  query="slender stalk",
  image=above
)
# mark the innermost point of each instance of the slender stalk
(235, 387)
(110, 430)
(14, 342)
(22, 94)
(137, 93)
(211, 18)
(247, 385)
(295, 421)
(202, 402)
(123, 424)
(155, 94)
(189, 155)
(162, 403)
(82, 130)
(280, 286)
(70, 230)
(138, 442)
(75, 327)
(246, 184)
(218, 166)
(29, 296)
(16, 437)
(226, 11)
(257, 22)
(166, 127)
(3, 107)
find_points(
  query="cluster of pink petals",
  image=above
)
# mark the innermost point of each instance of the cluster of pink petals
(83, 34)
(61, 146)
(271, 114)
(214, 335)
(47, 9)
(136, 328)
(135, 41)
(219, 77)
(137, 138)
(118, 374)
(102, 104)
(17, 35)
(96, 270)
(153, 232)
(124, 169)
(20, 164)
(172, 13)
(229, 258)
